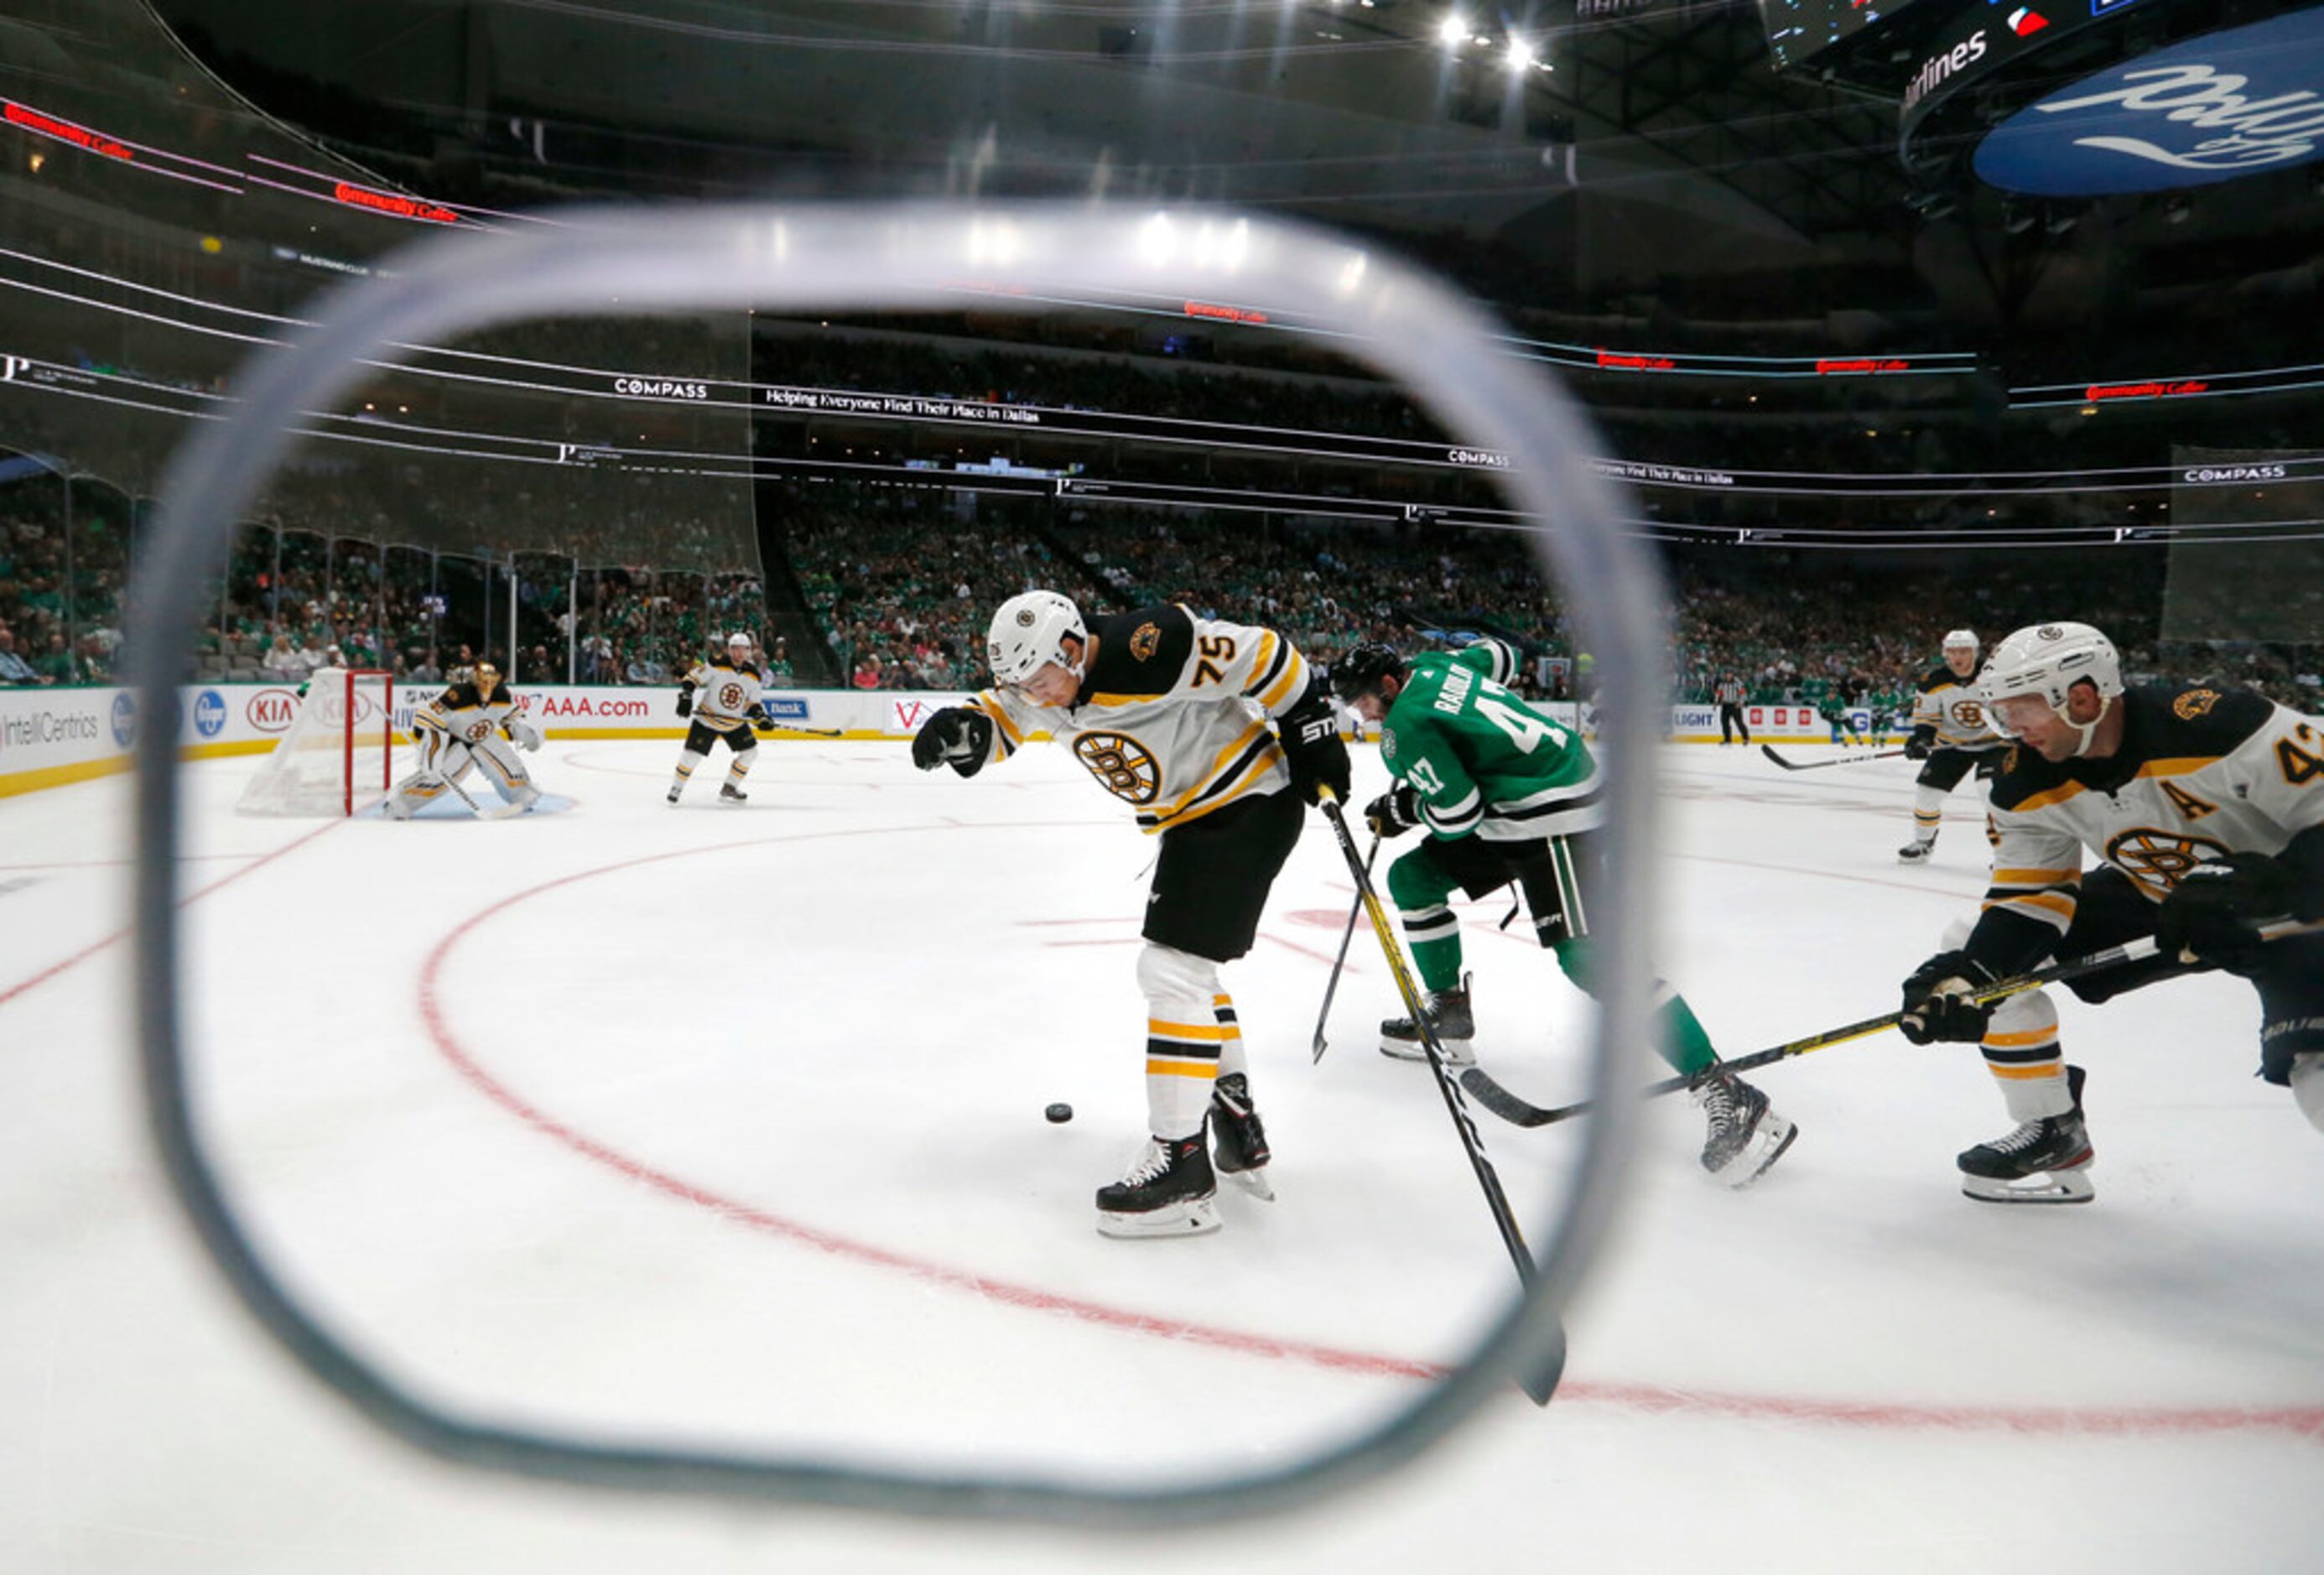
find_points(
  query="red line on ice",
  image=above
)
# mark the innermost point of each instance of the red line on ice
(2306, 1420)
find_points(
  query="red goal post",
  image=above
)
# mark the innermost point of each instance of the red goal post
(338, 755)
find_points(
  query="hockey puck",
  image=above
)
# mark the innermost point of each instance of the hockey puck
(1060, 1112)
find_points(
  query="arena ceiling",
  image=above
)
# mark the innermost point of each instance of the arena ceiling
(1546, 152)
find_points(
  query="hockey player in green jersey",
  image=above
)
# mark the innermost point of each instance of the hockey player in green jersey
(1507, 795)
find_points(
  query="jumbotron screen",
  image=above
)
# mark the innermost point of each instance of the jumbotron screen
(1799, 30)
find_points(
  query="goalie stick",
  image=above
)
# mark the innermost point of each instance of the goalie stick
(1541, 1383)
(1769, 750)
(501, 811)
(1520, 1112)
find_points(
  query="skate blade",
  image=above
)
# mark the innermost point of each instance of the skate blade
(1193, 1217)
(1769, 1142)
(1457, 1052)
(2050, 1186)
(1253, 1182)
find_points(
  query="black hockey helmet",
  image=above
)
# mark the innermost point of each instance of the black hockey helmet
(1359, 671)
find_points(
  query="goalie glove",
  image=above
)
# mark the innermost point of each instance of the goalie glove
(685, 700)
(1937, 1005)
(1921, 744)
(2212, 917)
(1394, 812)
(1313, 748)
(953, 736)
(522, 733)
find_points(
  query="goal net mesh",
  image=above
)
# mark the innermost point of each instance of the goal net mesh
(338, 754)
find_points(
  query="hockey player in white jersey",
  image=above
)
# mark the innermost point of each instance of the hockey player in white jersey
(1951, 736)
(722, 696)
(1213, 733)
(2206, 808)
(478, 721)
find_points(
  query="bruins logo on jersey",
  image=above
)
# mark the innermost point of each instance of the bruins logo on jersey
(730, 697)
(2160, 858)
(1127, 767)
(1146, 641)
(478, 729)
(1967, 714)
(2195, 702)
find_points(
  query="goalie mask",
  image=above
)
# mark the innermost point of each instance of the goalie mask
(1029, 632)
(2045, 662)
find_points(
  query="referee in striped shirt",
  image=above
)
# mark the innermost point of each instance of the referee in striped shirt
(1730, 696)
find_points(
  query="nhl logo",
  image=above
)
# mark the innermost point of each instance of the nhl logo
(1024, 617)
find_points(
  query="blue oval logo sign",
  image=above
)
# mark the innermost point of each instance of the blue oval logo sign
(125, 719)
(2200, 112)
(209, 713)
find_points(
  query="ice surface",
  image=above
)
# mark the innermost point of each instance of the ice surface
(724, 1124)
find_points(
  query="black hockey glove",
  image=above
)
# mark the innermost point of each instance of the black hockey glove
(2213, 915)
(686, 702)
(764, 721)
(1921, 744)
(1394, 812)
(1313, 748)
(1937, 1008)
(955, 736)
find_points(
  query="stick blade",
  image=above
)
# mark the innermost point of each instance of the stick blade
(1518, 1113)
(1540, 1381)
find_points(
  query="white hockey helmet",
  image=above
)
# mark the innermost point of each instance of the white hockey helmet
(1029, 632)
(2048, 660)
(738, 641)
(1962, 639)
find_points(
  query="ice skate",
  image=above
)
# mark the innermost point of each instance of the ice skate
(2041, 1162)
(1448, 1014)
(1168, 1192)
(1746, 1136)
(729, 794)
(1915, 852)
(1238, 1141)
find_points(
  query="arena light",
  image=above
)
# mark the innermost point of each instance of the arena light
(1454, 30)
(1521, 54)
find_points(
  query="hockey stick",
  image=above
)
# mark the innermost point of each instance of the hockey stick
(1541, 1384)
(1769, 750)
(1330, 989)
(1519, 1112)
(497, 812)
(803, 732)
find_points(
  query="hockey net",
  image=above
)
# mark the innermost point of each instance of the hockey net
(339, 754)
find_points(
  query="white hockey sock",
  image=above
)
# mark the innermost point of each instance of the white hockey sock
(1183, 1038)
(686, 760)
(2308, 1086)
(742, 767)
(1230, 1055)
(2022, 1052)
(1928, 812)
